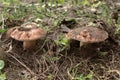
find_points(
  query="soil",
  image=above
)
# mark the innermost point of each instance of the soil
(47, 60)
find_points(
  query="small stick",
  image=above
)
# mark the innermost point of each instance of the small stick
(31, 72)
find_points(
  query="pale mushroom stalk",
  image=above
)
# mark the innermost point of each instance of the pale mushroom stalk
(82, 44)
(29, 44)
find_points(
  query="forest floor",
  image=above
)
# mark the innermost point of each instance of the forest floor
(57, 58)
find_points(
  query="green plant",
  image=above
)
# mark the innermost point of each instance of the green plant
(2, 30)
(2, 75)
(102, 53)
(117, 28)
(83, 77)
(50, 77)
(75, 75)
(9, 5)
(63, 43)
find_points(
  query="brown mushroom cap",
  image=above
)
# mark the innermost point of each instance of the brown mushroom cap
(28, 32)
(88, 34)
(9, 31)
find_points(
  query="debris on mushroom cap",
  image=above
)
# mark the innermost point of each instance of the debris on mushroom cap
(31, 32)
(88, 34)
(30, 25)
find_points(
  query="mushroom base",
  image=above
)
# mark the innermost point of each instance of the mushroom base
(29, 44)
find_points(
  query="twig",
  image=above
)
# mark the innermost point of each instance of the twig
(117, 71)
(31, 72)
(41, 47)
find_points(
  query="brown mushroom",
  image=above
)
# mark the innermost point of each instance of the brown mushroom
(28, 33)
(87, 35)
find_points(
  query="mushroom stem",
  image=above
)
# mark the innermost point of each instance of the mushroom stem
(29, 44)
(83, 44)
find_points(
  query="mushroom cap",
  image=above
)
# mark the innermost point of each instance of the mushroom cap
(28, 32)
(87, 34)
(9, 31)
